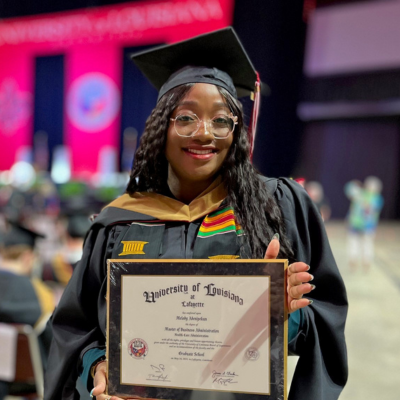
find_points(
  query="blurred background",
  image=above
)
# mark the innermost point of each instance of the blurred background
(73, 108)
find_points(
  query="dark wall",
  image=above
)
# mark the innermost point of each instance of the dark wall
(273, 33)
(19, 8)
(335, 152)
(48, 105)
(138, 99)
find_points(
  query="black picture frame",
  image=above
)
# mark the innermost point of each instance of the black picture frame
(275, 269)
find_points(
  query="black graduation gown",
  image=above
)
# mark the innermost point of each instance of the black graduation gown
(19, 303)
(80, 320)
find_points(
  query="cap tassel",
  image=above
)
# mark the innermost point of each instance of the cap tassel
(254, 115)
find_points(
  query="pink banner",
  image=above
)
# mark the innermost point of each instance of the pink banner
(92, 41)
(93, 87)
(16, 105)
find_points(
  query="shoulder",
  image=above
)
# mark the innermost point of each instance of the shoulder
(297, 208)
(17, 287)
(112, 219)
(286, 190)
(117, 212)
(11, 277)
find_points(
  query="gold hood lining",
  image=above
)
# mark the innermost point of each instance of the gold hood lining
(165, 208)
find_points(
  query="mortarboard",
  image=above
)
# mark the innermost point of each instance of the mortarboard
(217, 58)
(19, 235)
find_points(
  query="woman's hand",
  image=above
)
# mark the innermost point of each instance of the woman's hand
(100, 382)
(297, 279)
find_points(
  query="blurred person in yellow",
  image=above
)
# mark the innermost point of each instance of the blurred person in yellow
(62, 265)
(23, 299)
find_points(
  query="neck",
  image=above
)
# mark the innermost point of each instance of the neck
(14, 266)
(186, 191)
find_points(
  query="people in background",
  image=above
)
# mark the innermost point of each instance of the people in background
(62, 264)
(316, 193)
(23, 299)
(366, 203)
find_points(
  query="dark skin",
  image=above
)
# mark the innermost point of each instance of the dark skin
(189, 174)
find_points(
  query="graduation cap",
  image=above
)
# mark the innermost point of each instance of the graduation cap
(19, 235)
(217, 58)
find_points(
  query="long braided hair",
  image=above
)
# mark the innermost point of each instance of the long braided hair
(255, 209)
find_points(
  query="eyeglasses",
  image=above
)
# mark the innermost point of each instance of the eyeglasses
(221, 126)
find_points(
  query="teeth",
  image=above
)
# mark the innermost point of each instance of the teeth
(199, 151)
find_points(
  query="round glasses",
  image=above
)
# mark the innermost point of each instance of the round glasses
(221, 126)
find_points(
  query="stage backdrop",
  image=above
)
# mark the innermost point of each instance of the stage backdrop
(91, 44)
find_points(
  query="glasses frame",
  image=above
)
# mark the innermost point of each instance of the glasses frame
(234, 118)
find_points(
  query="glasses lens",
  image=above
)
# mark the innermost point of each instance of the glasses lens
(222, 126)
(186, 124)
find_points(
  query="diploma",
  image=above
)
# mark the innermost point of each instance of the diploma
(183, 332)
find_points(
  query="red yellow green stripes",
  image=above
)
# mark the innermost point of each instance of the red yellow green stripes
(219, 222)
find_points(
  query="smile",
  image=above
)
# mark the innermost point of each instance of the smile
(208, 151)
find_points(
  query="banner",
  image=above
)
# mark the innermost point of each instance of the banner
(92, 41)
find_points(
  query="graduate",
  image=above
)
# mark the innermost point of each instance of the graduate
(194, 193)
(23, 299)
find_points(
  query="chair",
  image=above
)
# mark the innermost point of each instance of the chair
(28, 381)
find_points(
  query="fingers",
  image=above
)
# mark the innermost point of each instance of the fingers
(299, 277)
(297, 274)
(98, 392)
(296, 304)
(108, 397)
(104, 396)
(298, 285)
(100, 381)
(298, 267)
(273, 248)
(296, 292)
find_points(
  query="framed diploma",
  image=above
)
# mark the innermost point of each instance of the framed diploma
(197, 329)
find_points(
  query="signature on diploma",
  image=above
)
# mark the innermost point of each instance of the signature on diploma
(158, 373)
(224, 378)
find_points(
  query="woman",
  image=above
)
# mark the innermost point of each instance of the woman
(192, 166)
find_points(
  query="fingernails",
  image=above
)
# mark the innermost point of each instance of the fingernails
(91, 393)
(313, 287)
(312, 277)
(276, 236)
(310, 301)
(308, 268)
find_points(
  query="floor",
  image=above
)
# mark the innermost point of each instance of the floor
(373, 324)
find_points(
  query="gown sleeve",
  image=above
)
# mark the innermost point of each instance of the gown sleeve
(321, 371)
(80, 318)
